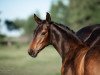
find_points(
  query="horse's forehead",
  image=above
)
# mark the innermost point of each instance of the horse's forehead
(41, 27)
(45, 26)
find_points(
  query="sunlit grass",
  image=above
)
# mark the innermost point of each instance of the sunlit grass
(16, 61)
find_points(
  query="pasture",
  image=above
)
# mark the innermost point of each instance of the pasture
(16, 61)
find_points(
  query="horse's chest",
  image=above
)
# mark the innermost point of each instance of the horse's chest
(69, 72)
(79, 62)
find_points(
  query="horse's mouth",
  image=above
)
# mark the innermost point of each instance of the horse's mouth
(33, 54)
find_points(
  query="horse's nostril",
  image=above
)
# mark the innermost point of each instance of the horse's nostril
(30, 52)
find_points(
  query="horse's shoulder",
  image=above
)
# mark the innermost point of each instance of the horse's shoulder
(79, 60)
(92, 61)
(93, 53)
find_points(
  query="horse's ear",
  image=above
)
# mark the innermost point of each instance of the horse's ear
(48, 17)
(38, 20)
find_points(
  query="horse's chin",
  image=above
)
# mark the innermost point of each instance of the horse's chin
(34, 54)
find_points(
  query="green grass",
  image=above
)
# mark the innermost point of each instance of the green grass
(16, 61)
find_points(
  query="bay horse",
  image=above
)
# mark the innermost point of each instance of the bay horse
(77, 58)
(85, 32)
(94, 38)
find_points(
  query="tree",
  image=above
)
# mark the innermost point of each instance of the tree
(59, 12)
(27, 25)
(30, 25)
(77, 13)
(84, 12)
(11, 25)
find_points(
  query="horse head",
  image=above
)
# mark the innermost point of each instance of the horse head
(40, 36)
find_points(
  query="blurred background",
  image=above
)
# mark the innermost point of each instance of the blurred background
(16, 31)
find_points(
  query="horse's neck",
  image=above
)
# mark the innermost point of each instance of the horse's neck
(62, 40)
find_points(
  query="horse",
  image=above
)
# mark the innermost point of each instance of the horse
(85, 32)
(88, 34)
(75, 55)
(94, 38)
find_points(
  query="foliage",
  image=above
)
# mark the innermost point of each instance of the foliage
(28, 25)
(11, 25)
(84, 12)
(20, 22)
(2, 37)
(59, 12)
(77, 13)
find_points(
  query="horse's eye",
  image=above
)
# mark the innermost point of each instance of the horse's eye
(43, 33)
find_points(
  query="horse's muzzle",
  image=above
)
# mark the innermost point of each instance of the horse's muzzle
(32, 53)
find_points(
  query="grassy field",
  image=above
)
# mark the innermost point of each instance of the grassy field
(16, 61)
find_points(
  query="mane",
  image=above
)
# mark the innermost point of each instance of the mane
(64, 27)
(95, 34)
(68, 30)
